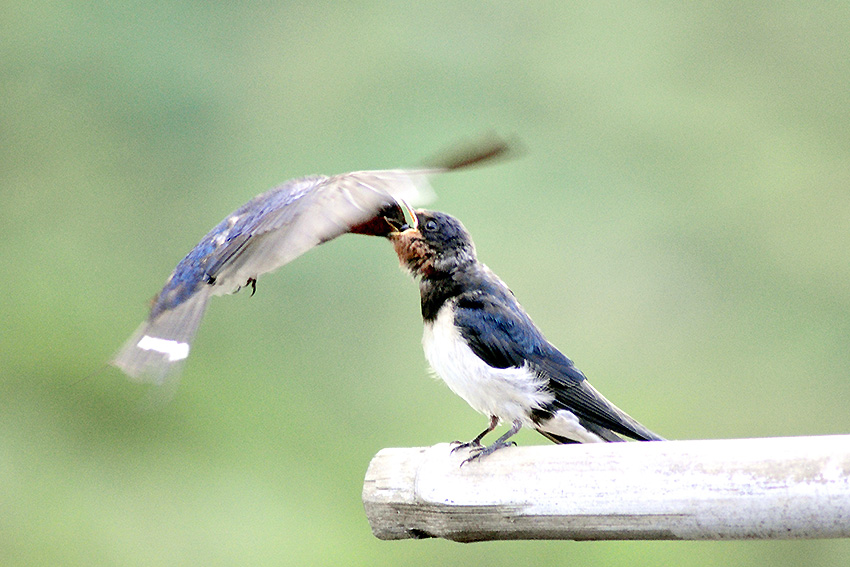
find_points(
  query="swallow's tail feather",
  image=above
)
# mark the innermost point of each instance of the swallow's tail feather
(160, 345)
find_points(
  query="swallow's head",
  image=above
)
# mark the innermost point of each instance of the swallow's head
(435, 244)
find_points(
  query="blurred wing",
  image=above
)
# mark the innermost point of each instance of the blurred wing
(275, 231)
(269, 231)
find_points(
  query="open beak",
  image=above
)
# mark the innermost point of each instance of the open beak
(407, 220)
(395, 218)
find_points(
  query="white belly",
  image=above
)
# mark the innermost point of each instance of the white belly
(507, 393)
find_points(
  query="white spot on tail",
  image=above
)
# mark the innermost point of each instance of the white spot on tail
(174, 349)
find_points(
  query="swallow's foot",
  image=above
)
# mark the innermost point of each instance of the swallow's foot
(475, 444)
(459, 445)
(480, 452)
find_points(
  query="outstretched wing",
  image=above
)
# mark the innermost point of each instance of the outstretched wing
(269, 231)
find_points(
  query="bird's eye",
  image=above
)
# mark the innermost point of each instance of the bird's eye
(431, 225)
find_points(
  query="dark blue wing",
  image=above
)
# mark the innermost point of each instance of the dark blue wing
(502, 334)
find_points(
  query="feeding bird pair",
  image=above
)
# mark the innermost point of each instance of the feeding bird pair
(477, 337)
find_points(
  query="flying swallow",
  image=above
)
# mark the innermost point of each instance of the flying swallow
(483, 344)
(266, 233)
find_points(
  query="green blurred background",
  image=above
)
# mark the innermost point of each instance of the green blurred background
(678, 224)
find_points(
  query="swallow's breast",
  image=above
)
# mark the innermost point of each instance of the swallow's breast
(507, 393)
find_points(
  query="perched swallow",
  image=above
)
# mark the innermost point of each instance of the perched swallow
(483, 344)
(267, 232)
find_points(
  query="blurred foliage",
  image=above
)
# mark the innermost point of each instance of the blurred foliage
(678, 224)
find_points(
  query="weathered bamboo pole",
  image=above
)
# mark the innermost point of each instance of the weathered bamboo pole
(774, 488)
